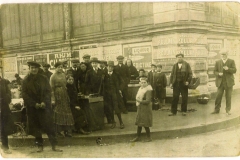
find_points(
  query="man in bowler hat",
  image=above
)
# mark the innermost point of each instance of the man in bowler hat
(36, 92)
(179, 80)
(224, 70)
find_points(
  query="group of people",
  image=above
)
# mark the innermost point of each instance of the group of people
(52, 99)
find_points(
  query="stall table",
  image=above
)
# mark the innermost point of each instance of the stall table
(94, 109)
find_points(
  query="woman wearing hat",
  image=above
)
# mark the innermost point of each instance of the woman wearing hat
(63, 118)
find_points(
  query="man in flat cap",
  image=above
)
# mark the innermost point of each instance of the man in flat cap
(94, 77)
(86, 59)
(46, 71)
(111, 85)
(180, 78)
(74, 72)
(224, 70)
(124, 74)
(36, 92)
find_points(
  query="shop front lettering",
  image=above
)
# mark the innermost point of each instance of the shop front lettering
(141, 50)
(63, 55)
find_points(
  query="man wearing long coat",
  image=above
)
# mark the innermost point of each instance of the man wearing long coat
(7, 125)
(124, 74)
(111, 90)
(36, 92)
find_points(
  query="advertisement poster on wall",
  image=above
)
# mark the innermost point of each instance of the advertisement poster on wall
(57, 57)
(110, 53)
(22, 64)
(140, 54)
(41, 59)
(9, 68)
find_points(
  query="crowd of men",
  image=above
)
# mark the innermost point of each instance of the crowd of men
(95, 77)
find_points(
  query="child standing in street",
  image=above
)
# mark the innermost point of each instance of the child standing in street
(160, 84)
(144, 109)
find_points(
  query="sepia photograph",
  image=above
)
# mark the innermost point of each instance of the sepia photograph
(119, 79)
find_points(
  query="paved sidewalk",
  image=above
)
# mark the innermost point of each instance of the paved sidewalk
(195, 122)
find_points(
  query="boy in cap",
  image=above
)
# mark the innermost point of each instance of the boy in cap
(180, 78)
(160, 83)
(124, 74)
(111, 85)
(36, 92)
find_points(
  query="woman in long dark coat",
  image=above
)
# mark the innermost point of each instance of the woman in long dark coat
(144, 109)
(80, 120)
(7, 125)
(63, 118)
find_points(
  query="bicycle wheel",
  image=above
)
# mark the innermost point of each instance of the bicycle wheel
(19, 136)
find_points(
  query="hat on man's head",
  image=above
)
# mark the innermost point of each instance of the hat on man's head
(94, 59)
(120, 57)
(223, 51)
(75, 61)
(33, 63)
(179, 54)
(153, 65)
(86, 56)
(46, 65)
(58, 64)
(16, 75)
(141, 70)
(110, 63)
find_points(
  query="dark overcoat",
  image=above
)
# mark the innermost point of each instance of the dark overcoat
(47, 74)
(111, 92)
(133, 72)
(81, 81)
(93, 81)
(7, 124)
(36, 89)
(124, 74)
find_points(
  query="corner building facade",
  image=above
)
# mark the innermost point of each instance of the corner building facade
(144, 32)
